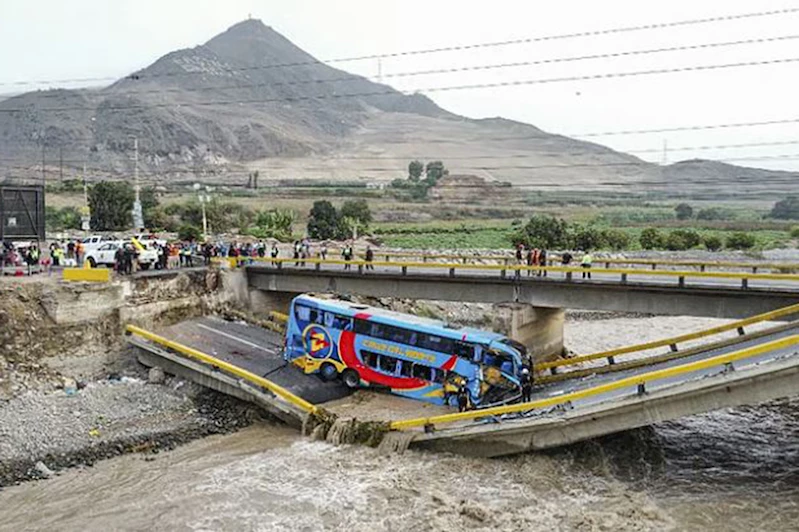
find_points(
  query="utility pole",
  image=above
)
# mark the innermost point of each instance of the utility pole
(44, 179)
(85, 215)
(665, 160)
(61, 163)
(138, 217)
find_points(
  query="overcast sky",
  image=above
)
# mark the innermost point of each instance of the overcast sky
(56, 40)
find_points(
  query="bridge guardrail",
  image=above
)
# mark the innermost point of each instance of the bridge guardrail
(517, 270)
(638, 381)
(672, 342)
(226, 367)
(653, 263)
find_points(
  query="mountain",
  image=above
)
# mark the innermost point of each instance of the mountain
(250, 99)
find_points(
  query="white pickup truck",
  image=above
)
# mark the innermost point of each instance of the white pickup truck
(104, 254)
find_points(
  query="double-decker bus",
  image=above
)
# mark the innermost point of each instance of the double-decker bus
(410, 356)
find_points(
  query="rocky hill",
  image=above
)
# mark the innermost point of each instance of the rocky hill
(249, 99)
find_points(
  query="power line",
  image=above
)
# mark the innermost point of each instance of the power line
(454, 48)
(455, 70)
(392, 92)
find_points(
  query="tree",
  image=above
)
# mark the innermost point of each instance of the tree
(543, 231)
(275, 223)
(435, 171)
(60, 219)
(323, 220)
(415, 170)
(651, 238)
(787, 209)
(587, 238)
(713, 213)
(741, 240)
(111, 204)
(682, 239)
(149, 204)
(189, 232)
(713, 243)
(616, 239)
(358, 210)
(684, 211)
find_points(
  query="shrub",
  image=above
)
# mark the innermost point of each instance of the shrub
(189, 232)
(741, 240)
(682, 239)
(795, 231)
(651, 238)
(543, 231)
(713, 243)
(787, 209)
(684, 211)
(588, 238)
(616, 239)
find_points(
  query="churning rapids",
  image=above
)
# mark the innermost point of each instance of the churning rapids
(729, 470)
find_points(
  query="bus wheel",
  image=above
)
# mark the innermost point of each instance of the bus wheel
(351, 378)
(328, 372)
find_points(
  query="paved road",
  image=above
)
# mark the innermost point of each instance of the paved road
(255, 349)
(598, 276)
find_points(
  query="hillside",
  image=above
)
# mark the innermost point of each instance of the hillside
(249, 99)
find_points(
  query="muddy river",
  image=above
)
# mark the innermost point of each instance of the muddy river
(731, 470)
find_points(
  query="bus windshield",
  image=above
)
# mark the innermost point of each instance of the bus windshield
(407, 355)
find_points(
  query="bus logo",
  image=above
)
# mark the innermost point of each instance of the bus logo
(317, 342)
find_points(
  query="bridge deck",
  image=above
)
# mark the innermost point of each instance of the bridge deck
(256, 350)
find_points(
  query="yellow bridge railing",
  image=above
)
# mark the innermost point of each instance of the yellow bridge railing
(252, 378)
(508, 259)
(520, 270)
(633, 381)
(671, 342)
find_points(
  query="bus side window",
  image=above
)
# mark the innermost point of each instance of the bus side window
(362, 327)
(388, 364)
(376, 331)
(422, 372)
(315, 316)
(342, 322)
(370, 359)
(406, 368)
(464, 350)
(440, 376)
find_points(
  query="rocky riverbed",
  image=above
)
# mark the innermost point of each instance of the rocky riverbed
(44, 432)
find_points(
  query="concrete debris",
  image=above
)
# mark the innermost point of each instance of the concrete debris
(43, 470)
(156, 375)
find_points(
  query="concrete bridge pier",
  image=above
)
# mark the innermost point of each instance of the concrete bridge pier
(540, 329)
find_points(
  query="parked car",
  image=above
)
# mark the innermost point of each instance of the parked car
(104, 254)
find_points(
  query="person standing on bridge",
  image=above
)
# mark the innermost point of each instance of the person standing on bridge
(529, 262)
(586, 264)
(297, 249)
(274, 253)
(323, 251)
(370, 257)
(346, 254)
(527, 385)
(542, 261)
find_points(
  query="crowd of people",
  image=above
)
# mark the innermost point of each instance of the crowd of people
(533, 257)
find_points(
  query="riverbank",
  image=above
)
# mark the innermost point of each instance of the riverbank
(42, 433)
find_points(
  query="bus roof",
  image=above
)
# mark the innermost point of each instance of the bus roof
(428, 324)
